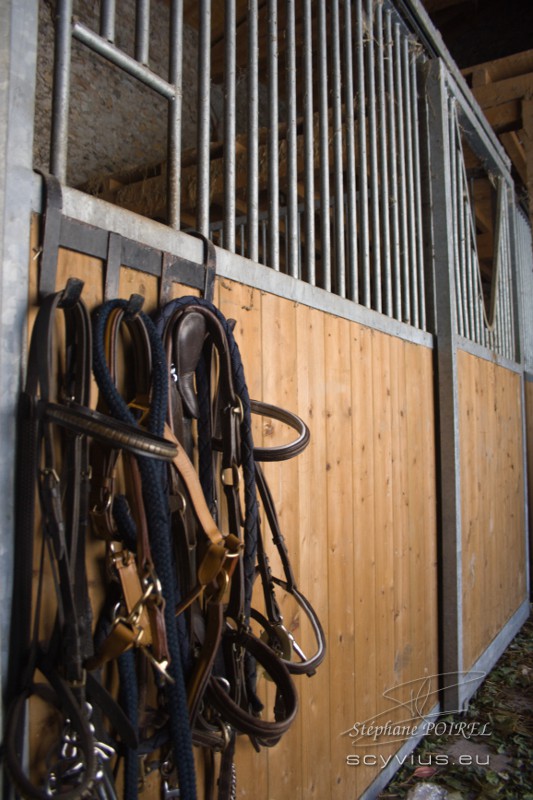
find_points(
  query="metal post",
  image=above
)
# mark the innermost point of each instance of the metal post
(363, 175)
(142, 31)
(393, 175)
(372, 135)
(175, 77)
(291, 232)
(309, 156)
(273, 136)
(61, 90)
(204, 91)
(418, 194)
(253, 132)
(340, 271)
(107, 20)
(384, 167)
(351, 189)
(413, 264)
(403, 209)
(229, 123)
(325, 236)
(452, 134)
(451, 610)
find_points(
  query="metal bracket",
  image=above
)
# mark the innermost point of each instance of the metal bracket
(115, 251)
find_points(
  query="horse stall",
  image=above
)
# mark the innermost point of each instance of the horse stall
(322, 171)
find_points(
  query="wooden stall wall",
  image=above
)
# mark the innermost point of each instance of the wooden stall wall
(529, 438)
(358, 511)
(492, 481)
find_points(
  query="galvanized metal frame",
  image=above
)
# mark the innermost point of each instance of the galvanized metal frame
(444, 276)
(18, 56)
(459, 328)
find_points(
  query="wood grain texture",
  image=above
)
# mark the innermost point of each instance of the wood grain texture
(492, 508)
(357, 510)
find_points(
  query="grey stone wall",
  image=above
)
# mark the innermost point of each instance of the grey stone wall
(115, 123)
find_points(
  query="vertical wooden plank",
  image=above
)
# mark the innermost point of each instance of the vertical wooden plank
(383, 531)
(427, 466)
(279, 365)
(318, 740)
(403, 645)
(339, 484)
(244, 305)
(364, 578)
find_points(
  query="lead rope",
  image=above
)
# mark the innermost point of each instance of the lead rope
(156, 504)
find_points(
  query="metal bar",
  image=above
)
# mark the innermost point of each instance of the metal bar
(461, 243)
(292, 164)
(122, 60)
(363, 175)
(413, 264)
(384, 167)
(229, 123)
(253, 132)
(453, 133)
(142, 31)
(340, 265)
(418, 194)
(372, 134)
(175, 77)
(309, 167)
(273, 136)
(393, 176)
(204, 97)
(506, 281)
(107, 20)
(264, 242)
(325, 235)
(61, 91)
(404, 212)
(351, 188)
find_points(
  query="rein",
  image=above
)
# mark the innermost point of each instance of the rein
(165, 472)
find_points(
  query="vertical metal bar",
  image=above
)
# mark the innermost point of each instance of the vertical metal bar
(61, 91)
(273, 136)
(253, 132)
(393, 176)
(204, 88)
(309, 156)
(325, 236)
(363, 174)
(384, 167)
(413, 264)
(292, 165)
(142, 31)
(242, 234)
(506, 279)
(467, 264)
(404, 212)
(372, 134)
(461, 241)
(175, 77)
(351, 189)
(229, 123)
(453, 133)
(336, 89)
(418, 194)
(264, 242)
(107, 20)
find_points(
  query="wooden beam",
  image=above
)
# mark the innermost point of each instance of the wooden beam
(527, 116)
(505, 118)
(517, 154)
(501, 68)
(494, 94)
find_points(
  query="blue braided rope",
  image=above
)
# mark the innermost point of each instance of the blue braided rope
(158, 515)
(251, 519)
